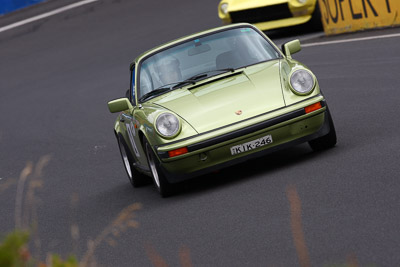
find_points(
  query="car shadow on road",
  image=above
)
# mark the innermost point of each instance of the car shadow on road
(244, 171)
(264, 167)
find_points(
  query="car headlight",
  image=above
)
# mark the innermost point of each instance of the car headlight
(167, 125)
(224, 8)
(301, 1)
(302, 82)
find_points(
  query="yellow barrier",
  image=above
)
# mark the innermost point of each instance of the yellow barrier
(339, 16)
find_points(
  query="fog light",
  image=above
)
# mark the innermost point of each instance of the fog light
(224, 8)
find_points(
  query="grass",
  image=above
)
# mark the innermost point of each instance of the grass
(15, 251)
(14, 247)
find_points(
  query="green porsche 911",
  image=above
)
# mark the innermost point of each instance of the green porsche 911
(214, 99)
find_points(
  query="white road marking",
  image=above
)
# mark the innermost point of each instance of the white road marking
(353, 40)
(85, 2)
(45, 15)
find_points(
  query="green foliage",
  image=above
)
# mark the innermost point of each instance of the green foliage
(13, 252)
(58, 262)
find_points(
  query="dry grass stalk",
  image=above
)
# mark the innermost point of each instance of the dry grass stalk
(4, 186)
(352, 260)
(20, 194)
(75, 233)
(297, 227)
(25, 210)
(184, 256)
(158, 261)
(124, 220)
(154, 257)
(30, 205)
(25, 203)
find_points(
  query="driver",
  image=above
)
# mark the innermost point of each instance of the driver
(169, 71)
(241, 47)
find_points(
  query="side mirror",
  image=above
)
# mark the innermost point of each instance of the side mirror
(290, 48)
(119, 105)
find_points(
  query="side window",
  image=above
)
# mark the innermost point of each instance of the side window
(133, 85)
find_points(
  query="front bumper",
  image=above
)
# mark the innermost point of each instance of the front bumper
(282, 23)
(287, 130)
(274, 16)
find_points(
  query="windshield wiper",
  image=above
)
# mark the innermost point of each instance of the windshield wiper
(171, 86)
(223, 70)
(199, 76)
(182, 83)
(205, 74)
(164, 88)
(155, 92)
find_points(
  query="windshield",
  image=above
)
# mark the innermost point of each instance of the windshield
(230, 49)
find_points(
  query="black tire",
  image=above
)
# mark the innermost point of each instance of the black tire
(163, 186)
(135, 177)
(327, 141)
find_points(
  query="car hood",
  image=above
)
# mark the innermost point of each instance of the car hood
(228, 99)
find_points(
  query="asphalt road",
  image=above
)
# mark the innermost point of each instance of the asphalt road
(56, 76)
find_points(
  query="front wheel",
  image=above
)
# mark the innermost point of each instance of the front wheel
(328, 140)
(163, 186)
(135, 178)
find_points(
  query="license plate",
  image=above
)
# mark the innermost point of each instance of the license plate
(263, 141)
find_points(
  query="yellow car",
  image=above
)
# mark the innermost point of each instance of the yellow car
(271, 14)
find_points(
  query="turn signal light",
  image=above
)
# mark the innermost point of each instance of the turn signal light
(177, 152)
(312, 107)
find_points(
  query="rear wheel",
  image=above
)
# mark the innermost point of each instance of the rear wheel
(163, 186)
(328, 140)
(135, 178)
